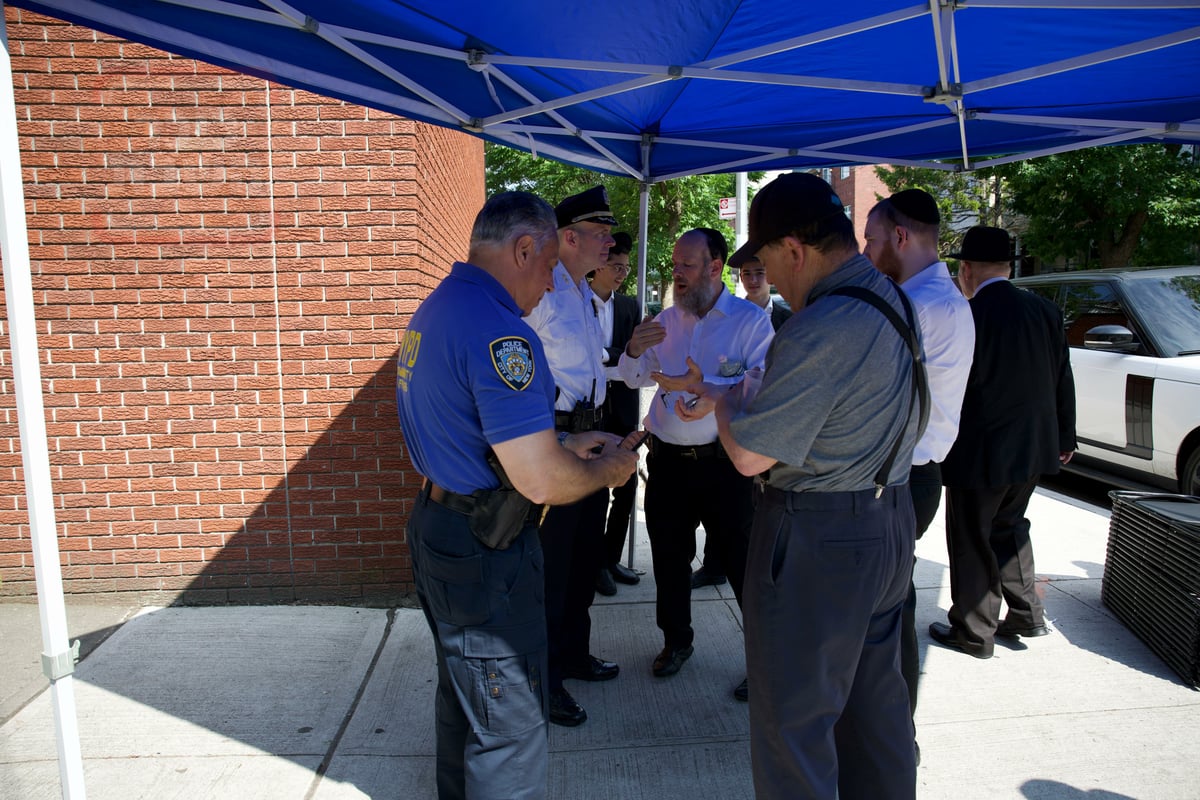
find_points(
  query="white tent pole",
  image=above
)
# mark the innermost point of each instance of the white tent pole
(58, 660)
(642, 245)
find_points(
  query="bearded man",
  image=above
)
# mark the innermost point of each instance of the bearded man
(708, 336)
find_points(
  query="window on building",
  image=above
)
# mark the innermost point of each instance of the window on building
(845, 173)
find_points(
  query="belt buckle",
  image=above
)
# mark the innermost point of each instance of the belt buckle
(691, 453)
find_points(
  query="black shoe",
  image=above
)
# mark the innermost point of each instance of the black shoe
(957, 640)
(593, 670)
(742, 692)
(702, 577)
(564, 710)
(623, 574)
(917, 751)
(604, 583)
(1010, 630)
(670, 660)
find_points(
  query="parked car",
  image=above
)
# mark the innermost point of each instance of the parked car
(1134, 336)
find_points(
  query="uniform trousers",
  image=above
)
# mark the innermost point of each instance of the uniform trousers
(486, 611)
(683, 493)
(925, 484)
(572, 539)
(825, 581)
(991, 557)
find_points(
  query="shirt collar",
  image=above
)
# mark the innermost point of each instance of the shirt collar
(842, 275)
(989, 282)
(470, 273)
(933, 272)
(724, 302)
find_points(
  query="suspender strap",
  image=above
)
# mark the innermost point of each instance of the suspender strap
(920, 381)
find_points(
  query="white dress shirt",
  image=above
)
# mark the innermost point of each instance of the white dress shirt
(948, 337)
(730, 339)
(567, 323)
(605, 309)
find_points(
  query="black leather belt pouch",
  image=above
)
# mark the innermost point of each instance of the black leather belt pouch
(499, 517)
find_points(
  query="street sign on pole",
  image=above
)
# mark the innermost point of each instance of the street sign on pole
(728, 207)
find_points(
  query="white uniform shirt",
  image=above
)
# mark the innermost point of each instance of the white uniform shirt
(566, 322)
(730, 339)
(948, 336)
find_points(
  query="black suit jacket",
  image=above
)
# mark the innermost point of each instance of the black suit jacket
(621, 401)
(779, 313)
(1019, 409)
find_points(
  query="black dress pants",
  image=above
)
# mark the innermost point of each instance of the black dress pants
(925, 484)
(683, 493)
(991, 558)
(571, 543)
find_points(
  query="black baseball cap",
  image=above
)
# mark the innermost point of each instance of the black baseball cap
(791, 201)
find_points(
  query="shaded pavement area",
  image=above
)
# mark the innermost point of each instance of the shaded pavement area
(332, 703)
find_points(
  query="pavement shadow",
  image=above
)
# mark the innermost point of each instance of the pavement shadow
(1078, 613)
(1040, 789)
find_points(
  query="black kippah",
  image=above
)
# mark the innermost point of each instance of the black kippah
(916, 204)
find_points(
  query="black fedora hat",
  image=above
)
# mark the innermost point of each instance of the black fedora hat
(985, 244)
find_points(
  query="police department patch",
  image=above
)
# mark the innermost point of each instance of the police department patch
(513, 359)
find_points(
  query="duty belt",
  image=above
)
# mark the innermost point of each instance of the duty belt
(563, 421)
(465, 503)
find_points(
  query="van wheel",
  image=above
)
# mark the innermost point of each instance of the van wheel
(1189, 481)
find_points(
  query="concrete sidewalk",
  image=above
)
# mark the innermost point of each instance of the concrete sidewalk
(334, 702)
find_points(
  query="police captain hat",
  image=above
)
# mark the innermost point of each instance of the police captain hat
(791, 201)
(587, 206)
(986, 245)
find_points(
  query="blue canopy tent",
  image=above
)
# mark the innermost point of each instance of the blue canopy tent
(653, 89)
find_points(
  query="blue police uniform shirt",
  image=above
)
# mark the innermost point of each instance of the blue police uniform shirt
(471, 373)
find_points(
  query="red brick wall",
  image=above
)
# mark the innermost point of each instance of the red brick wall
(222, 271)
(861, 191)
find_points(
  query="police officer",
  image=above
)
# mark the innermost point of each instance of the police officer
(568, 324)
(476, 405)
(835, 423)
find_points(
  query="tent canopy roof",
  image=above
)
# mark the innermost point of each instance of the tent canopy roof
(656, 89)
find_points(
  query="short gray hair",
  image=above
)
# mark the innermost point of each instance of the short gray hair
(510, 215)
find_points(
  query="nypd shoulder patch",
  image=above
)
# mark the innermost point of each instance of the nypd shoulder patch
(513, 359)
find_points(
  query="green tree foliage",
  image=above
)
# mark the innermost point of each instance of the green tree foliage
(675, 206)
(1101, 207)
(1110, 206)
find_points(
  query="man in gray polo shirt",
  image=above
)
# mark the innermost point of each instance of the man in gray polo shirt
(833, 428)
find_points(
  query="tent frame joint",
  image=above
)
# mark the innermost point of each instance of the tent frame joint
(947, 95)
(60, 665)
(476, 60)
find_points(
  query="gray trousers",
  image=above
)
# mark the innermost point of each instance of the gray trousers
(487, 614)
(825, 581)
